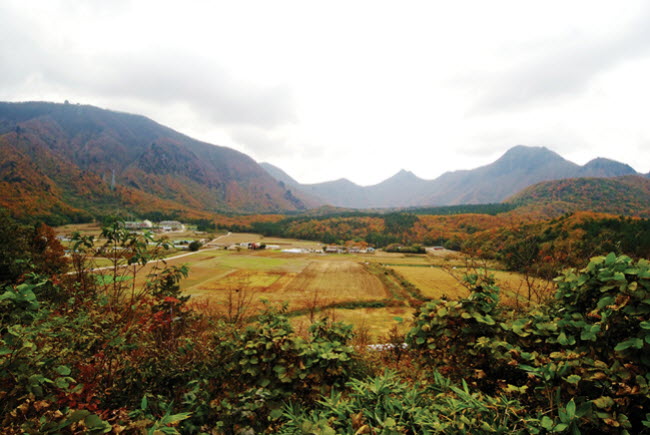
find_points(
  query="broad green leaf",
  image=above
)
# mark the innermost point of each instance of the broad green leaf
(603, 402)
(571, 409)
(63, 370)
(547, 423)
(61, 383)
(573, 379)
(636, 343)
(78, 415)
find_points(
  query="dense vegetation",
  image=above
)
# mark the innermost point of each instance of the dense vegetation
(536, 246)
(543, 248)
(376, 229)
(92, 352)
(489, 209)
(629, 195)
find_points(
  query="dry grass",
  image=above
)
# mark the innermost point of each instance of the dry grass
(319, 283)
(433, 282)
(436, 282)
(334, 281)
(92, 229)
(396, 258)
(373, 323)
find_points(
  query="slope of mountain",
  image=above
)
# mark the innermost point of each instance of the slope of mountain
(340, 193)
(626, 195)
(80, 150)
(287, 182)
(601, 167)
(398, 190)
(518, 168)
(279, 174)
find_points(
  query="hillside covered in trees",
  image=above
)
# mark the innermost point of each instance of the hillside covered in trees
(627, 195)
(74, 162)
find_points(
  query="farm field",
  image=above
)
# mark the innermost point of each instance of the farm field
(433, 282)
(300, 280)
(350, 287)
(371, 324)
(92, 229)
(436, 282)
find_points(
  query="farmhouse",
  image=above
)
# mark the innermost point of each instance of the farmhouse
(136, 225)
(171, 226)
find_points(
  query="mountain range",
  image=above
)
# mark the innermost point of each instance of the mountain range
(520, 167)
(76, 161)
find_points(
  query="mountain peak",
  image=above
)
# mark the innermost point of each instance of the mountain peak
(526, 151)
(403, 174)
(527, 158)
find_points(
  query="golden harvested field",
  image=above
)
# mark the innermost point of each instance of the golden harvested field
(93, 229)
(373, 323)
(435, 282)
(335, 281)
(396, 258)
(297, 279)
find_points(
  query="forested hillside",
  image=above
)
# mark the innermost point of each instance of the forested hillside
(627, 195)
(73, 161)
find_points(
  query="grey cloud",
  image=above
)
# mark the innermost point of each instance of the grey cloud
(159, 77)
(263, 145)
(567, 70)
(16, 50)
(266, 146)
(173, 77)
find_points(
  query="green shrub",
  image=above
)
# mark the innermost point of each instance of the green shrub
(267, 364)
(446, 331)
(388, 405)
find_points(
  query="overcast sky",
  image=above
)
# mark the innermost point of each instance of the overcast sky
(350, 89)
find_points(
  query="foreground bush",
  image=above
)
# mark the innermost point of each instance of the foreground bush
(578, 363)
(268, 364)
(387, 405)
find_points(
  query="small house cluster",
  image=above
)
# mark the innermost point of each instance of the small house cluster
(138, 225)
(245, 245)
(162, 226)
(354, 249)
